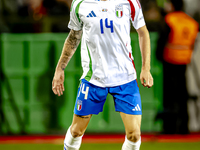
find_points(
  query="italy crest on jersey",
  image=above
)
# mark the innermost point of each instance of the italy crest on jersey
(119, 11)
(79, 105)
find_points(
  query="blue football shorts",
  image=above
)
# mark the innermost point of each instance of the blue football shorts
(90, 98)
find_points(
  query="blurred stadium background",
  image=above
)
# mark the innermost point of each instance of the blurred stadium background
(32, 33)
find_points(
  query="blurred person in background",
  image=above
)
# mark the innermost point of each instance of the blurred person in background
(152, 14)
(174, 48)
(193, 87)
(7, 8)
(21, 16)
(104, 30)
(46, 15)
(193, 72)
(67, 2)
(34, 16)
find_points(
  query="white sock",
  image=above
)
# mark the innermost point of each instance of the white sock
(71, 143)
(128, 145)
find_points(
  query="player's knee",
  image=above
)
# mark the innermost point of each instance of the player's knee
(133, 136)
(76, 132)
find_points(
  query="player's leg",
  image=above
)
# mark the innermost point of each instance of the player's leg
(128, 103)
(132, 125)
(90, 100)
(75, 132)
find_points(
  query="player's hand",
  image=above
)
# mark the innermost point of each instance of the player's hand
(58, 82)
(146, 78)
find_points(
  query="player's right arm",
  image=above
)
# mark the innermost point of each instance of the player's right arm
(70, 46)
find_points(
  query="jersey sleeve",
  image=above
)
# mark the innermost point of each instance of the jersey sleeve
(138, 20)
(75, 22)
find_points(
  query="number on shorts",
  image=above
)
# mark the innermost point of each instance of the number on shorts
(84, 92)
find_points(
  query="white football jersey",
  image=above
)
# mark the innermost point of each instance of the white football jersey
(106, 52)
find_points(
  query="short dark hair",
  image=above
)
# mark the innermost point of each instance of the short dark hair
(178, 4)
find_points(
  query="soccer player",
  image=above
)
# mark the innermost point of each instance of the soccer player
(108, 67)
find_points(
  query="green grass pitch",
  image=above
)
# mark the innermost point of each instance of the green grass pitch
(88, 146)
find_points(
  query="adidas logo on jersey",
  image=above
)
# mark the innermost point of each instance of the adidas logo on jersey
(137, 108)
(92, 14)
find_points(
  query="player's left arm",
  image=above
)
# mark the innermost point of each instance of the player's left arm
(144, 42)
